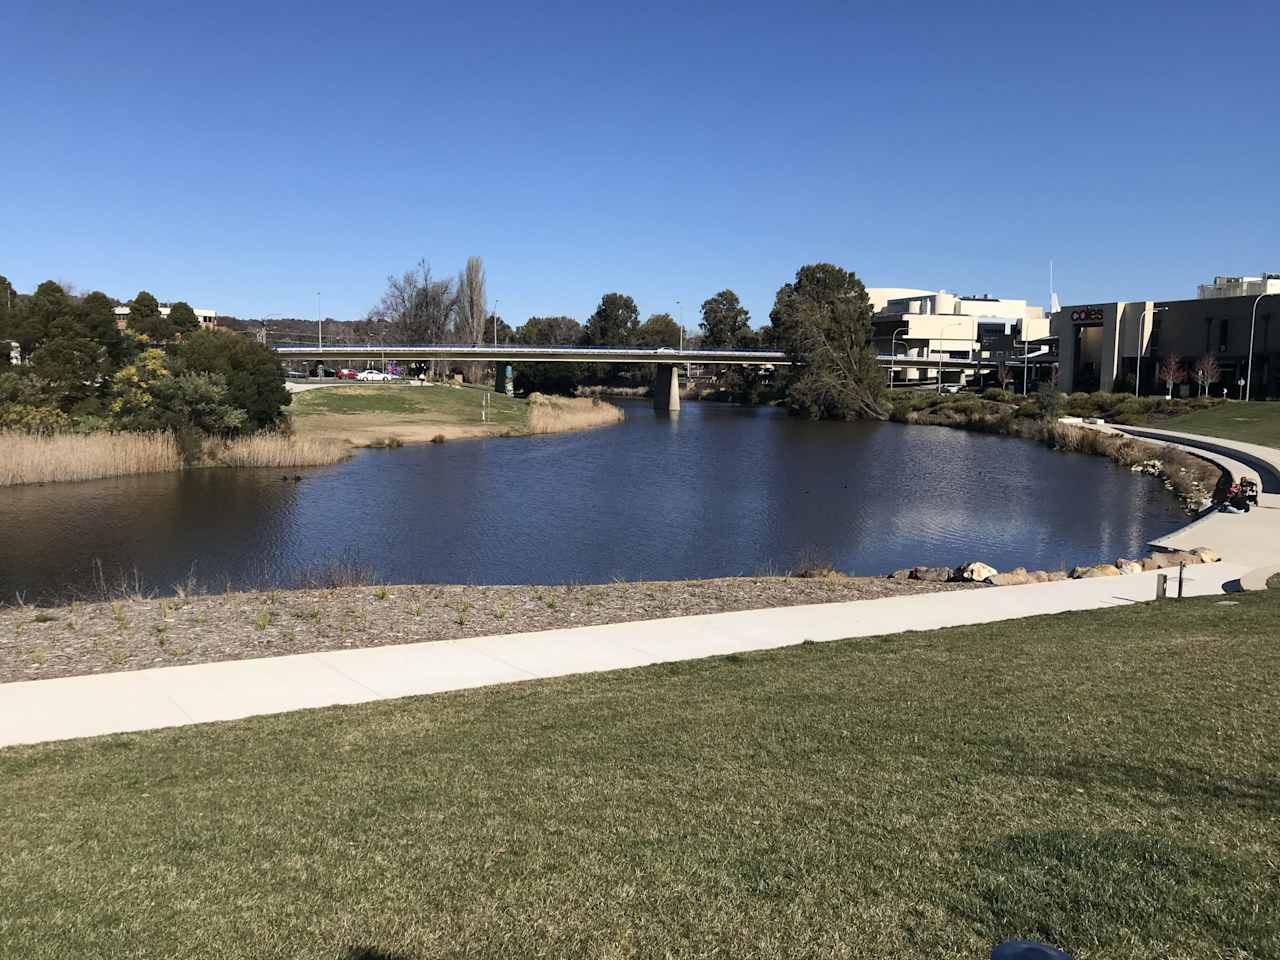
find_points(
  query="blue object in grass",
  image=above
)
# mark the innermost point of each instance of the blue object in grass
(1026, 950)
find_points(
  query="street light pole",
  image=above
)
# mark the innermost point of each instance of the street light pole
(319, 323)
(893, 350)
(495, 321)
(945, 328)
(1253, 321)
(680, 311)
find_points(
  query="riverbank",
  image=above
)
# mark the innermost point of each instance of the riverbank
(1191, 478)
(379, 415)
(133, 633)
(63, 457)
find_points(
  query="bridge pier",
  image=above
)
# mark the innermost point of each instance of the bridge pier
(666, 387)
(502, 379)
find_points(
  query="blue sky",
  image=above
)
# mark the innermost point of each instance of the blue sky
(244, 158)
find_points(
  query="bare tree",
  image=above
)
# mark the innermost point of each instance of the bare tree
(1171, 372)
(417, 308)
(1207, 372)
(469, 323)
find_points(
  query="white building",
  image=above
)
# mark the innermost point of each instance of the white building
(208, 318)
(1239, 287)
(941, 325)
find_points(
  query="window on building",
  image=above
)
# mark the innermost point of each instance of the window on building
(1224, 333)
(1208, 334)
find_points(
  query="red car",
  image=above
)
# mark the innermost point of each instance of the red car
(346, 374)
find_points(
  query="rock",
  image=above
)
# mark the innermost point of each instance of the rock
(931, 574)
(1157, 561)
(1099, 570)
(1205, 554)
(1128, 566)
(901, 574)
(1052, 576)
(977, 570)
(1013, 578)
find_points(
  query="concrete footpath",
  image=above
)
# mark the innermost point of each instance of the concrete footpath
(41, 710)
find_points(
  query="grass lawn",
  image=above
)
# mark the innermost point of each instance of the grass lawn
(364, 412)
(1254, 422)
(1106, 781)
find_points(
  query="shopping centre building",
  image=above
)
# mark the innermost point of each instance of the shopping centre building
(1107, 346)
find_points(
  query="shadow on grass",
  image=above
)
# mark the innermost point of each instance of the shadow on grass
(373, 953)
(1109, 891)
(1182, 782)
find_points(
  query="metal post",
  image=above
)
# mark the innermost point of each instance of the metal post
(495, 321)
(1253, 322)
(1181, 567)
(320, 325)
(893, 350)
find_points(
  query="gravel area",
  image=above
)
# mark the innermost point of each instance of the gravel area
(138, 632)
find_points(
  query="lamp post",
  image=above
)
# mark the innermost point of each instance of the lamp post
(319, 323)
(1137, 360)
(893, 351)
(1253, 321)
(495, 321)
(680, 313)
(945, 328)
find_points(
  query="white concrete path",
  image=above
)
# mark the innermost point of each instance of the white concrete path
(39, 710)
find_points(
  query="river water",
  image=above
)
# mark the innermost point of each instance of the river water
(714, 491)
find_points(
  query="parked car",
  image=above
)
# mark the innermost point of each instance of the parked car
(347, 374)
(295, 375)
(374, 376)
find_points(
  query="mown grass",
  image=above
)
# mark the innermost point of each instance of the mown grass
(438, 403)
(1254, 422)
(1107, 781)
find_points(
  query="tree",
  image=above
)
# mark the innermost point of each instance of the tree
(8, 303)
(559, 378)
(69, 369)
(549, 332)
(417, 308)
(1207, 372)
(1171, 372)
(614, 322)
(823, 322)
(660, 330)
(183, 318)
(146, 319)
(252, 372)
(472, 306)
(97, 313)
(471, 312)
(725, 321)
(38, 314)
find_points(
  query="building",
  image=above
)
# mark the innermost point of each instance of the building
(208, 318)
(1262, 286)
(1100, 343)
(940, 325)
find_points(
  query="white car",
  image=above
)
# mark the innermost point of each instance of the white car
(373, 376)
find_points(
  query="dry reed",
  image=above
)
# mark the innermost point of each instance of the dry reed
(34, 458)
(556, 414)
(277, 450)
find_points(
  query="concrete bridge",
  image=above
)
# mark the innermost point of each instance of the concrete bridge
(667, 360)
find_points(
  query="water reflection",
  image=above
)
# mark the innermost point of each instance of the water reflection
(713, 491)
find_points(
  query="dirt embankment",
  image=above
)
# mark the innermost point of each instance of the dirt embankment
(135, 633)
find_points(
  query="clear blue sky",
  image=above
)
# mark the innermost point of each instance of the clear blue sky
(244, 157)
